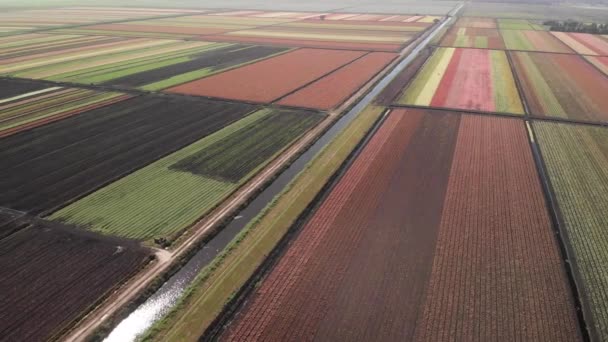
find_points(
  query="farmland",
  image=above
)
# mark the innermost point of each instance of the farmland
(46, 104)
(46, 267)
(473, 37)
(575, 157)
(583, 43)
(312, 71)
(465, 79)
(528, 40)
(421, 242)
(173, 192)
(43, 19)
(562, 85)
(137, 65)
(216, 284)
(54, 164)
(299, 171)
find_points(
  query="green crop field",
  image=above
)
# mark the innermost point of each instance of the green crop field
(577, 162)
(173, 192)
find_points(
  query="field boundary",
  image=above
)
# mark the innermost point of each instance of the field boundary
(499, 114)
(240, 298)
(584, 317)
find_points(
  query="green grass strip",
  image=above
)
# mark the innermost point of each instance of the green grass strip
(541, 90)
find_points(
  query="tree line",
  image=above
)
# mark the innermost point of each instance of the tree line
(575, 26)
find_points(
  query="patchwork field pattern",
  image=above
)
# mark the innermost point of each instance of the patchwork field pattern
(486, 23)
(600, 62)
(260, 82)
(52, 165)
(576, 160)
(42, 104)
(44, 267)
(297, 29)
(527, 40)
(518, 24)
(429, 248)
(562, 85)
(172, 193)
(584, 43)
(476, 79)
(473, 37)
(36, 19)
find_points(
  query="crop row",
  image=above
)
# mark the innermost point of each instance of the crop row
(34, 108)
(577, 165)
(168, 195)
(18, 21)
(562, 85)
(50, 276)
(501, 23)
(54, 164)
(444, 215)
(479, 36)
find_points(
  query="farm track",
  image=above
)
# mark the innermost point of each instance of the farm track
(141, 282)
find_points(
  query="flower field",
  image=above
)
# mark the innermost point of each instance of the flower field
(39, 104)
(473, 37)
(475, 79)
(583, 43)
(528, 40)
(310, 71)
(561, 85)
(600, 62)
(409, 212)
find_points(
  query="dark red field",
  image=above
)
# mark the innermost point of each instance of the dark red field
(438, 231)
(51, 275)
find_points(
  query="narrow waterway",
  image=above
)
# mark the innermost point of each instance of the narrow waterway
(167, 296)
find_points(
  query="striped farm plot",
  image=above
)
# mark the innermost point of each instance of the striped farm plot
(180, 27)
(360, 35)
(584, 43)
(474, 79)
(331, 16)
(473, 37)
(47, 104)
(600, 62)
(528, 40)
(562, 85)
(486, 23)
(519, 24)
(168, 195)
(36, 19)
(575, 157)
(46, 64)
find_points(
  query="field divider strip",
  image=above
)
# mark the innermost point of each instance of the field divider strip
(584, 317)
(518, 86)
(508, 115)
